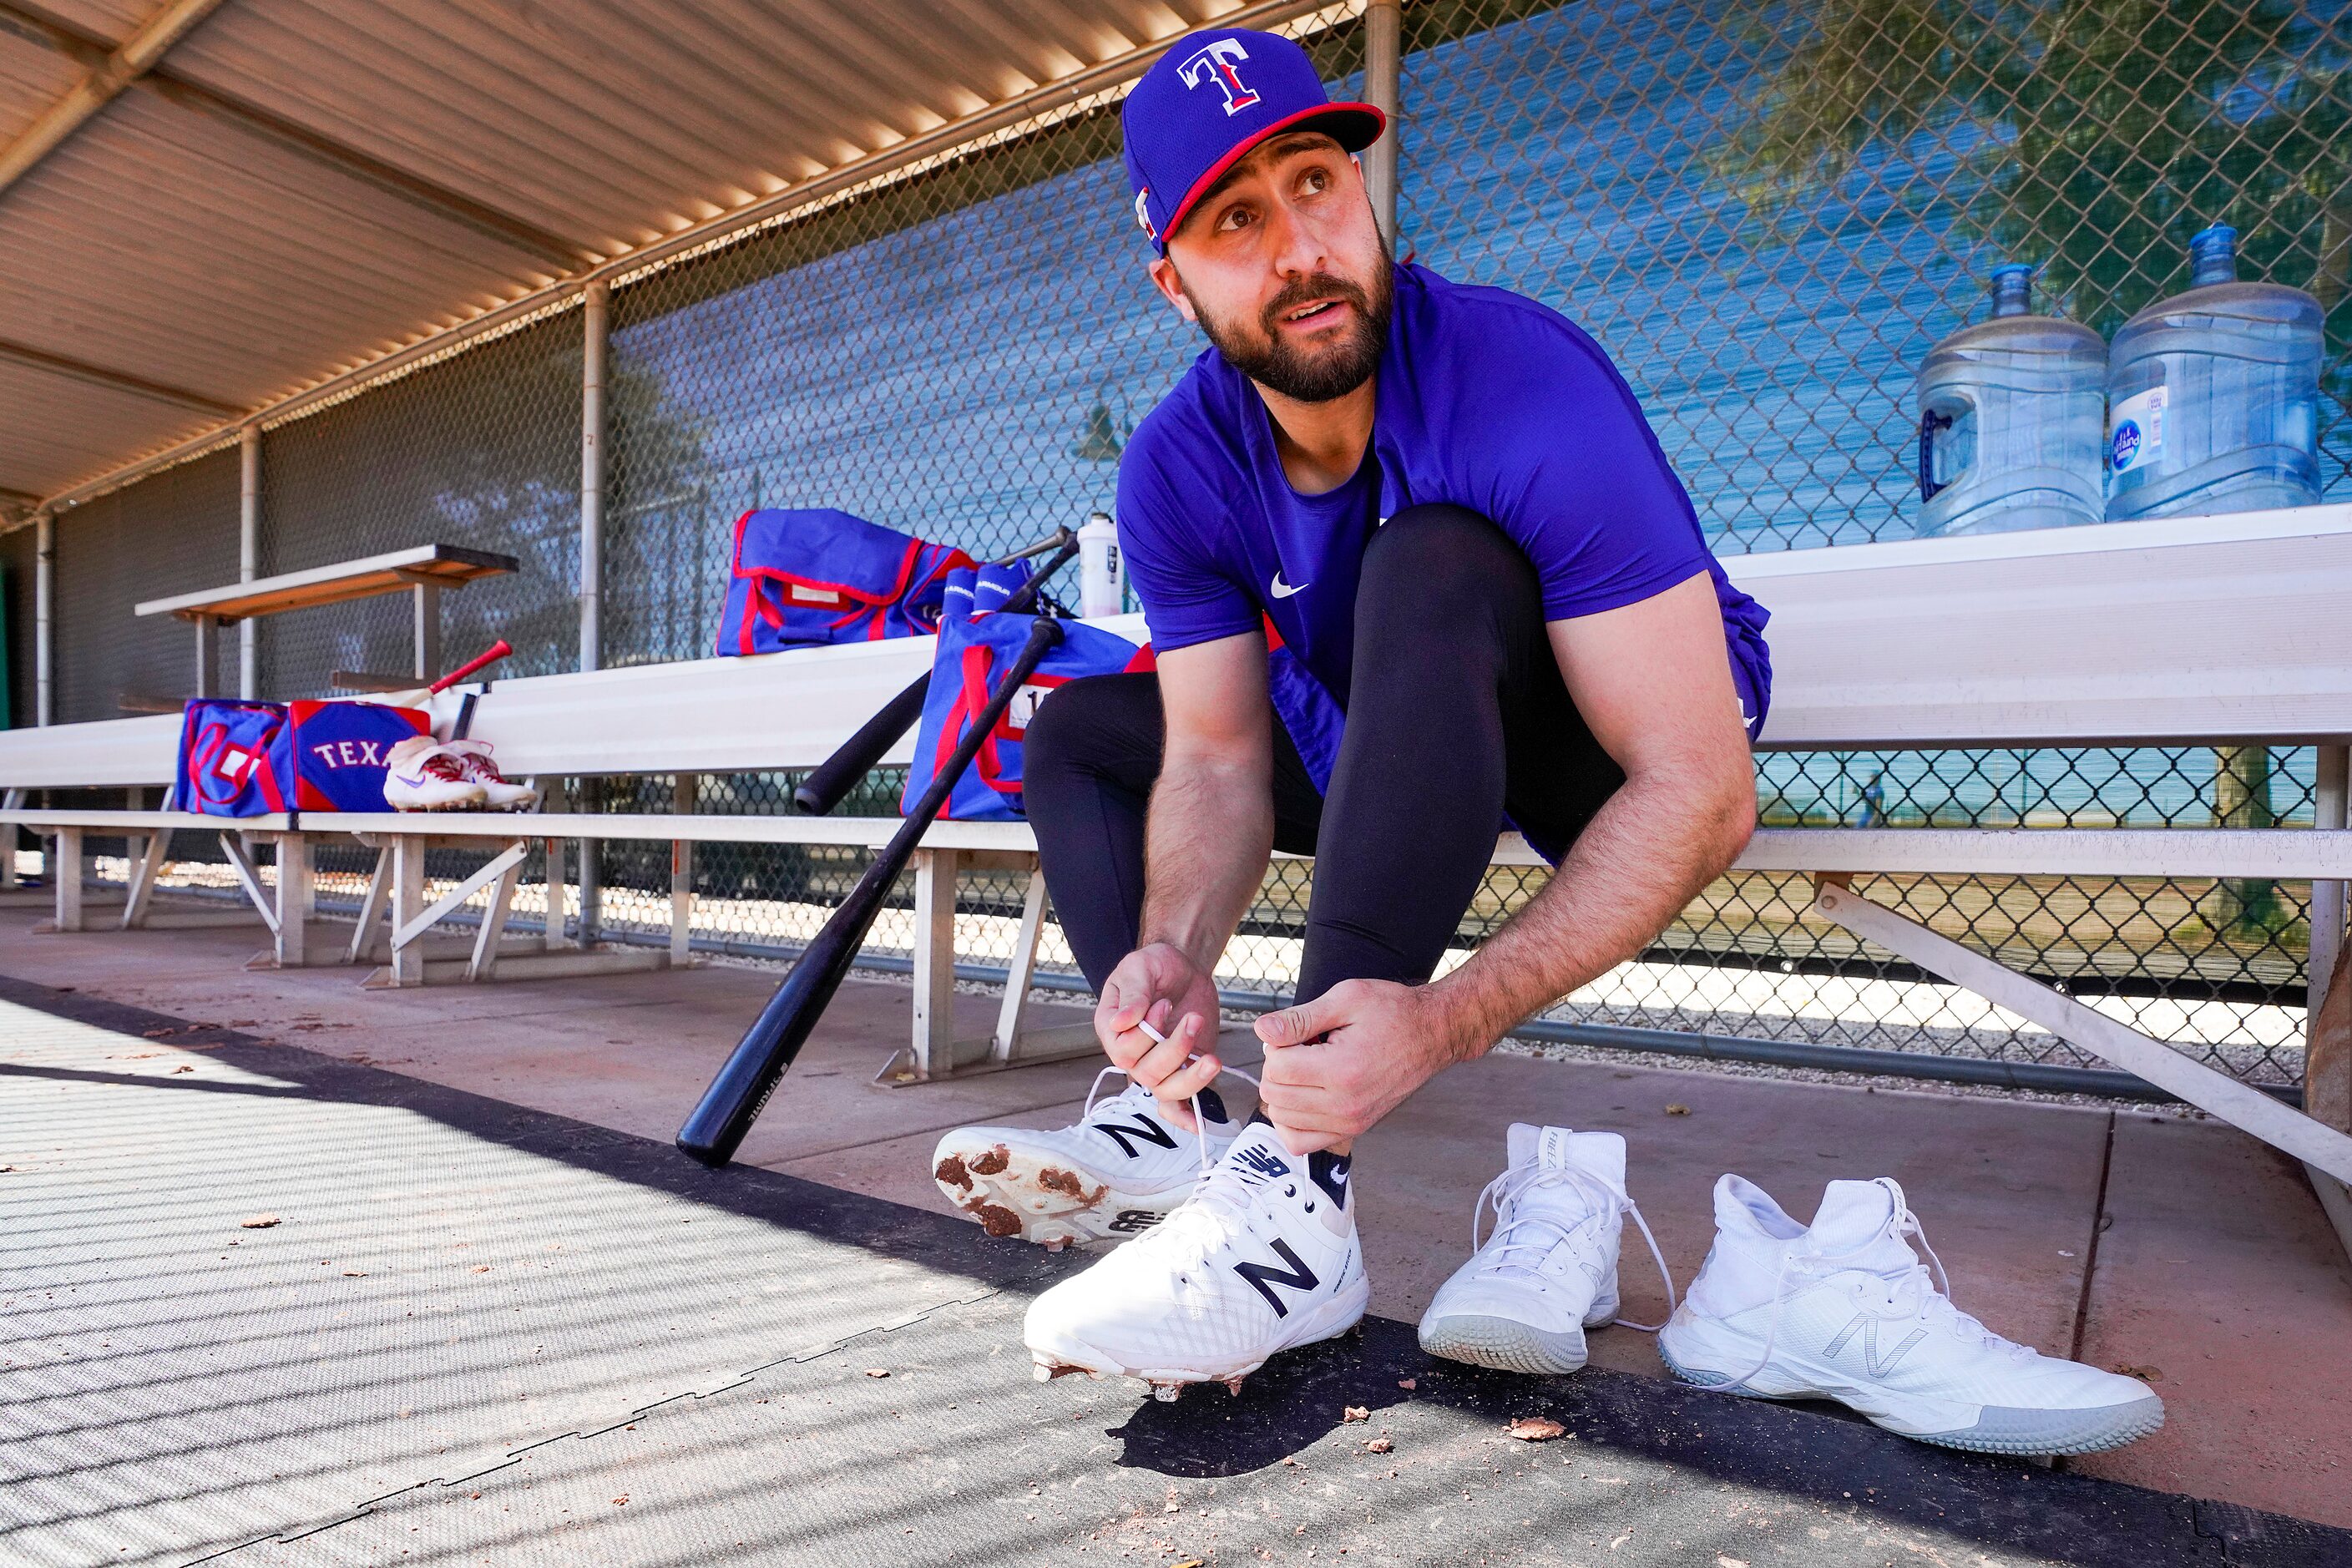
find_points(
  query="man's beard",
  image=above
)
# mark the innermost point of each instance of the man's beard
(1320, 374)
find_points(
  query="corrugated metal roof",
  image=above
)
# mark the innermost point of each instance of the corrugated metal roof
(306, 185)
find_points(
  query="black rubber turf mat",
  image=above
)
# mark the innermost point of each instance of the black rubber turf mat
(479, 1333)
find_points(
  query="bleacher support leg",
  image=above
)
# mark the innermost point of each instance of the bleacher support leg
(65, 873)
(371, 906)
(144, 870)
(406, 965)
(681, 875)
(933, 1046)
(2242, 1106)
(1019, 972)
(295, 900)
(484, 964)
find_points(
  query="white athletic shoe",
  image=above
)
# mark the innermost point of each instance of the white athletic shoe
(1116, 1172)
(1261, 1260)
(421, 774)
(1842, 1310)
(1549, 1271)
(498, 794)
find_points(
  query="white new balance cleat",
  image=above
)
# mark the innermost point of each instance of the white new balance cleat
(1549, 1271)
(421, 774)
(1116, 1172)
(1842, 1310)
(1263, 1258)
(473, 759)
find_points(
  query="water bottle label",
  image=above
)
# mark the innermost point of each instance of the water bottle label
(2135, 431)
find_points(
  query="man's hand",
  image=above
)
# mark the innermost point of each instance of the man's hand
(1384, 1041)
(1161, 985)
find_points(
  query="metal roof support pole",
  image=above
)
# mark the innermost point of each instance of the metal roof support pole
(44, 599)
(248, 557)
(596, 317)
(1383, 30)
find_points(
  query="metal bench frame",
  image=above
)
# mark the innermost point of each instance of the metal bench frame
(1862, 635)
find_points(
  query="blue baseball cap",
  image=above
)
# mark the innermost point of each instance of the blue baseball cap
(1213, 96)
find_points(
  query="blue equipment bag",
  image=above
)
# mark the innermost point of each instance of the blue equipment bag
(971, 650)
(237, 758)
(339, 749)
(800, 578)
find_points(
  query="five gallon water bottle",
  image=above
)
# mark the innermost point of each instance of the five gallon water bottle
(2009, 414)
(2214, 395)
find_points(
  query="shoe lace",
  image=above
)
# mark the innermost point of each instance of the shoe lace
(1200, 1122)
(445, 766)
(1605, 1200)
(1911, 1293)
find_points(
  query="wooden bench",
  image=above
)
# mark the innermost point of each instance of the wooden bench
(422, 572)
(2098, 636)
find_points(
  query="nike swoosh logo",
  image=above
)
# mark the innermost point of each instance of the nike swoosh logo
(1283, 590)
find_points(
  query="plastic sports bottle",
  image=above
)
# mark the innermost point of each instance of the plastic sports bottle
(1102, 576)
(2009, 419)
(2214, 395)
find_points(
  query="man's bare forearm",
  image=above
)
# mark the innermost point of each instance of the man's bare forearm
(1207, 841)
(1644, 856)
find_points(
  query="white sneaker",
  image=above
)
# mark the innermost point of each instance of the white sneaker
(498, 794)
(1843, 1310)
(1116, 1172)
(1549, 1272)
(1263, 1258)
(421, 774)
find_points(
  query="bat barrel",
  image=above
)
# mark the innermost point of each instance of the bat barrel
(736, 1097)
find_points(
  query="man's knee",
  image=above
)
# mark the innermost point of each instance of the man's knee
(1444, 560)
(1094, 724)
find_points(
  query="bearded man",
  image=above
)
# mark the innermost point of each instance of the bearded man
(1416, 571)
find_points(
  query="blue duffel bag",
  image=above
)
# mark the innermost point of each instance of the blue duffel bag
(800, 578)
(237, 758)
(971, 650)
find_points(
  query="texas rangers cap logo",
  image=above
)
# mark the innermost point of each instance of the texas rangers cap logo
(1176, 146)
(1215, 62)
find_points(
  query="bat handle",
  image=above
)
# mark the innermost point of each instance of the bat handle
(491, 655)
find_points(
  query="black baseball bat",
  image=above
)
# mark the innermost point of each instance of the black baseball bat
(856, 757)
(736, 1097)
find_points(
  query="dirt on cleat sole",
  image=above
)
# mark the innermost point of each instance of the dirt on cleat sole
(1010, 1191)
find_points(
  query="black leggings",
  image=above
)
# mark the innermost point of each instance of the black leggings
(1458, 713)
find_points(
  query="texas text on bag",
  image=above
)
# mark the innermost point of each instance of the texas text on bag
(255, 759)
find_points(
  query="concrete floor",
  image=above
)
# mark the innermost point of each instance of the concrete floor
(2215, 1274)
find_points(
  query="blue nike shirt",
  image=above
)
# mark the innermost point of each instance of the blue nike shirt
(1486, 399)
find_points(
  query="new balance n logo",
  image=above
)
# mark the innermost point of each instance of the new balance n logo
(1868, 1325)
(1142, 1127)
(1299, 1278)
(1262, 1162)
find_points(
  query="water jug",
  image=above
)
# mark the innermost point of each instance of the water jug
(2009, 414)
(2214, 395)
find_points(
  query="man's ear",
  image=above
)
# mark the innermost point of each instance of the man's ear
(1172, 288)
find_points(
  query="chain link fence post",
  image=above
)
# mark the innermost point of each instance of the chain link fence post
(45, 598)
(248, 557)
(596, 339)
(1383, 54)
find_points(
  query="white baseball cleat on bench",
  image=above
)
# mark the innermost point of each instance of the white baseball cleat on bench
(1263, 1258)
(1842, 1310)
(422, 773)
(1549, 1271)
(473, 758)
(1115, 1173)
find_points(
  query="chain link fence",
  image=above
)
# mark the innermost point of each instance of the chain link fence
(1767, 214)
